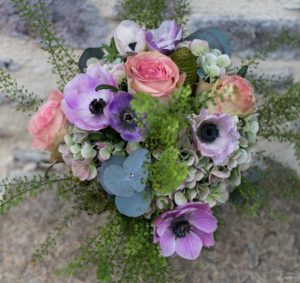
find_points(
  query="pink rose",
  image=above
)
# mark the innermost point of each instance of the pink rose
(153, 73)
(47, 124)
(234, 95)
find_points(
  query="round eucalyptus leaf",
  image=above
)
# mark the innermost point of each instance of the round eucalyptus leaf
(88, 54)
(136, 205)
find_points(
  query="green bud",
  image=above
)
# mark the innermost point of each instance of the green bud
(187, 63)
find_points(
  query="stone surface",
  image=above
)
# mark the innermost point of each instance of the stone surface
(87, 23)
(247, 251)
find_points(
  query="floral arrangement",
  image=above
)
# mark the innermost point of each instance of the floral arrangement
(156, 132)
(161, 124)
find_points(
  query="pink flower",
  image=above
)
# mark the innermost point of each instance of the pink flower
(47, 125)
(235, 95)
(152, 73)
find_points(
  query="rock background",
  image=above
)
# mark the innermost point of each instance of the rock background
(248, 250)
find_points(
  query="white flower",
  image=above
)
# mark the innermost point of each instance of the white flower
(129, 37)
(68, 140)
(213, 71)
(180, 198)
(75, 149)
(211, 59)
(199, 47)
(218, 194)
(224, 61)
(87, 151)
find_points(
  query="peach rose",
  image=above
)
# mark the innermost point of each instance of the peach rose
(153, 73)
(234, 95)
(48, 123)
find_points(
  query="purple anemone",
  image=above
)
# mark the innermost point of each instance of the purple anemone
(122, 117)
(185, 230)
(165, 38)
(216, 136)
(83, 105)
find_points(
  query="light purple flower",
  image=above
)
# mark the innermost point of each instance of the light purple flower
(122, 117)
(83, 105)
(216, 136)
(185, 230)
(129, 37)
(165, 38)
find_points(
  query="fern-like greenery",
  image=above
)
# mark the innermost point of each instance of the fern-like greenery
(164, 124)
(261, 187)
(282, 38)
(62, 59)
(24, 100)
(19, 189)
(151, 13)
(123, 252)
(279, 116)
(279, 113)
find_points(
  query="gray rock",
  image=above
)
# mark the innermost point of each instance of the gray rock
(248, 34)
(9, 65)
(30, 155)
(77, 21)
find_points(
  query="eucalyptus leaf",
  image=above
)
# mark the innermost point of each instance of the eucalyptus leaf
(114, 160)
(216, 38)
(88, 54)
(136, 205)
(117, 181)
(137, 162)
(121, 177)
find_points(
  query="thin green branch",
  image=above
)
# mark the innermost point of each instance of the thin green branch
(25, 100)
(63, 61)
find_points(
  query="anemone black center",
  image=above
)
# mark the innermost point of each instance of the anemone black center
(96, 106)
(181, 228)
(128, 117)
(132, 45)
(208, 132)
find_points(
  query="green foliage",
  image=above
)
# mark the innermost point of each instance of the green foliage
(90, 197)
(146, 13)
(283, 38)
(123, 251)
(164, 121)
(260, 189)
(161, 129)
(279, 114)
(112, 51)
(56, 232)
(164, 124)
(25, 100)
(187, 63)
(19, 189)
(63, 61)
(151, 13)
(182, 10)
(168, 173)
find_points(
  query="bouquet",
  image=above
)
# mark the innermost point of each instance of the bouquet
(160, 125)
(156, 133)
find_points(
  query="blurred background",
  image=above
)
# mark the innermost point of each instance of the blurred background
(248, 250)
